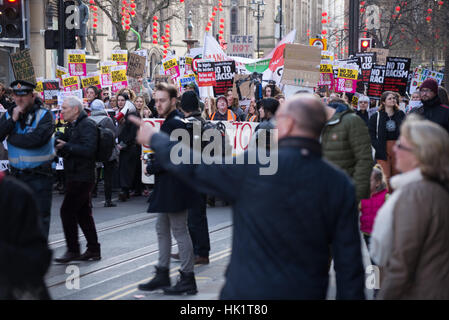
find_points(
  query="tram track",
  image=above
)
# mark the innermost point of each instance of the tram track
(126, 260)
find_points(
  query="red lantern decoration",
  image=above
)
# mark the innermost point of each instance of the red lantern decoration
(214, 14)
(95, 20)
(165, 46)
(440, 3)
(324, 32)
(154, 41)
(155, 18)
(215, 9)
(429, 11)
(220, 31)
(222, 26)
(324, 14)
(324, 21)
(398, 8)
(154, 36)
(362, 3)
(155, 24)
(207, 29)
(92, 1)
(212, 18)
(428, 19)
(221, 20)
(133, 5)
(165, 51)
(127, 27)
(94, 25)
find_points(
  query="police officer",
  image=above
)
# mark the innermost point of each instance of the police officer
(29, 130)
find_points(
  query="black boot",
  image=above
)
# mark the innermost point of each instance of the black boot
(161, 280)
(186, 284)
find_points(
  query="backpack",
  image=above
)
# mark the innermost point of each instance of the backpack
(106, 144)
(220, 127)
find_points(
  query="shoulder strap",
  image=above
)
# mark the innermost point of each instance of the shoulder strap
(2, 174)
(377, 129)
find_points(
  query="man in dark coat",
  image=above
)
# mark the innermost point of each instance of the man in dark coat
(432, 108)
(78, 146)
(197, 218)
(170, 199)
(286, 223)
(24, 253)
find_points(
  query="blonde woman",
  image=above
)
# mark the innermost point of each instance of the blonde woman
(410, 236)
(209, 108)
(384, 131)
(142, 108)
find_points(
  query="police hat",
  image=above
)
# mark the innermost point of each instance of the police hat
(22, 88)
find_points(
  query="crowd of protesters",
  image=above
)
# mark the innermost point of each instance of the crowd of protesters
(388, 162)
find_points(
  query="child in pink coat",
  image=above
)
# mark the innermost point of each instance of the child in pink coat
(369, 207)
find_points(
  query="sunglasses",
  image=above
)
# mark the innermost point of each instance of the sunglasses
(401, 147)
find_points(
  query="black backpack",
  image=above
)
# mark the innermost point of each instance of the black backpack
(106, 144)
(205, 125)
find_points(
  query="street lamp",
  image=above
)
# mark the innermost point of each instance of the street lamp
(258, 7)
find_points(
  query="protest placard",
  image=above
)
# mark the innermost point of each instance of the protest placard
(136, 66)
(105, 76)
(120, 56)
(188, 64)
(381, 55)
(206, 73)
(396, 74)
(50, 89)
(241, 46)
(246, 86)
(327, 55)
(22, 66)
(119, 79)
(92, 79)
(347, 79)
(70, 83)
(365, 62)
(224, 76)
(39, 86)
(171, 67)
(77, 62)
(301, 65)
(318, 42)
(326, 74)
(422, 74)
(185, 80)
(376, 82)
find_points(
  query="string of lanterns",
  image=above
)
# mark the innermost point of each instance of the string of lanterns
(93, 7)
(221, 24)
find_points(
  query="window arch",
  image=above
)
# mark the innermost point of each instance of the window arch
(234, 20)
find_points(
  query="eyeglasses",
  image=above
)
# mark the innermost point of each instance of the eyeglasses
(401, 147)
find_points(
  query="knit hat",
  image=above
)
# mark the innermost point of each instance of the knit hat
(189, 101)
(431, 84)
(96, 105)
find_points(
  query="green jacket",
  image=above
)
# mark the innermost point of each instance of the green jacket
(346, 143)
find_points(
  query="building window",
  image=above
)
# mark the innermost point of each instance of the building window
(234, 21)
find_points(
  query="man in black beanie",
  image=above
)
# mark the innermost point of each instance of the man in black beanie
(197, 218)
(432, 108)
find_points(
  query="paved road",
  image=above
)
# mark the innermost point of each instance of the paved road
(129, 252)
